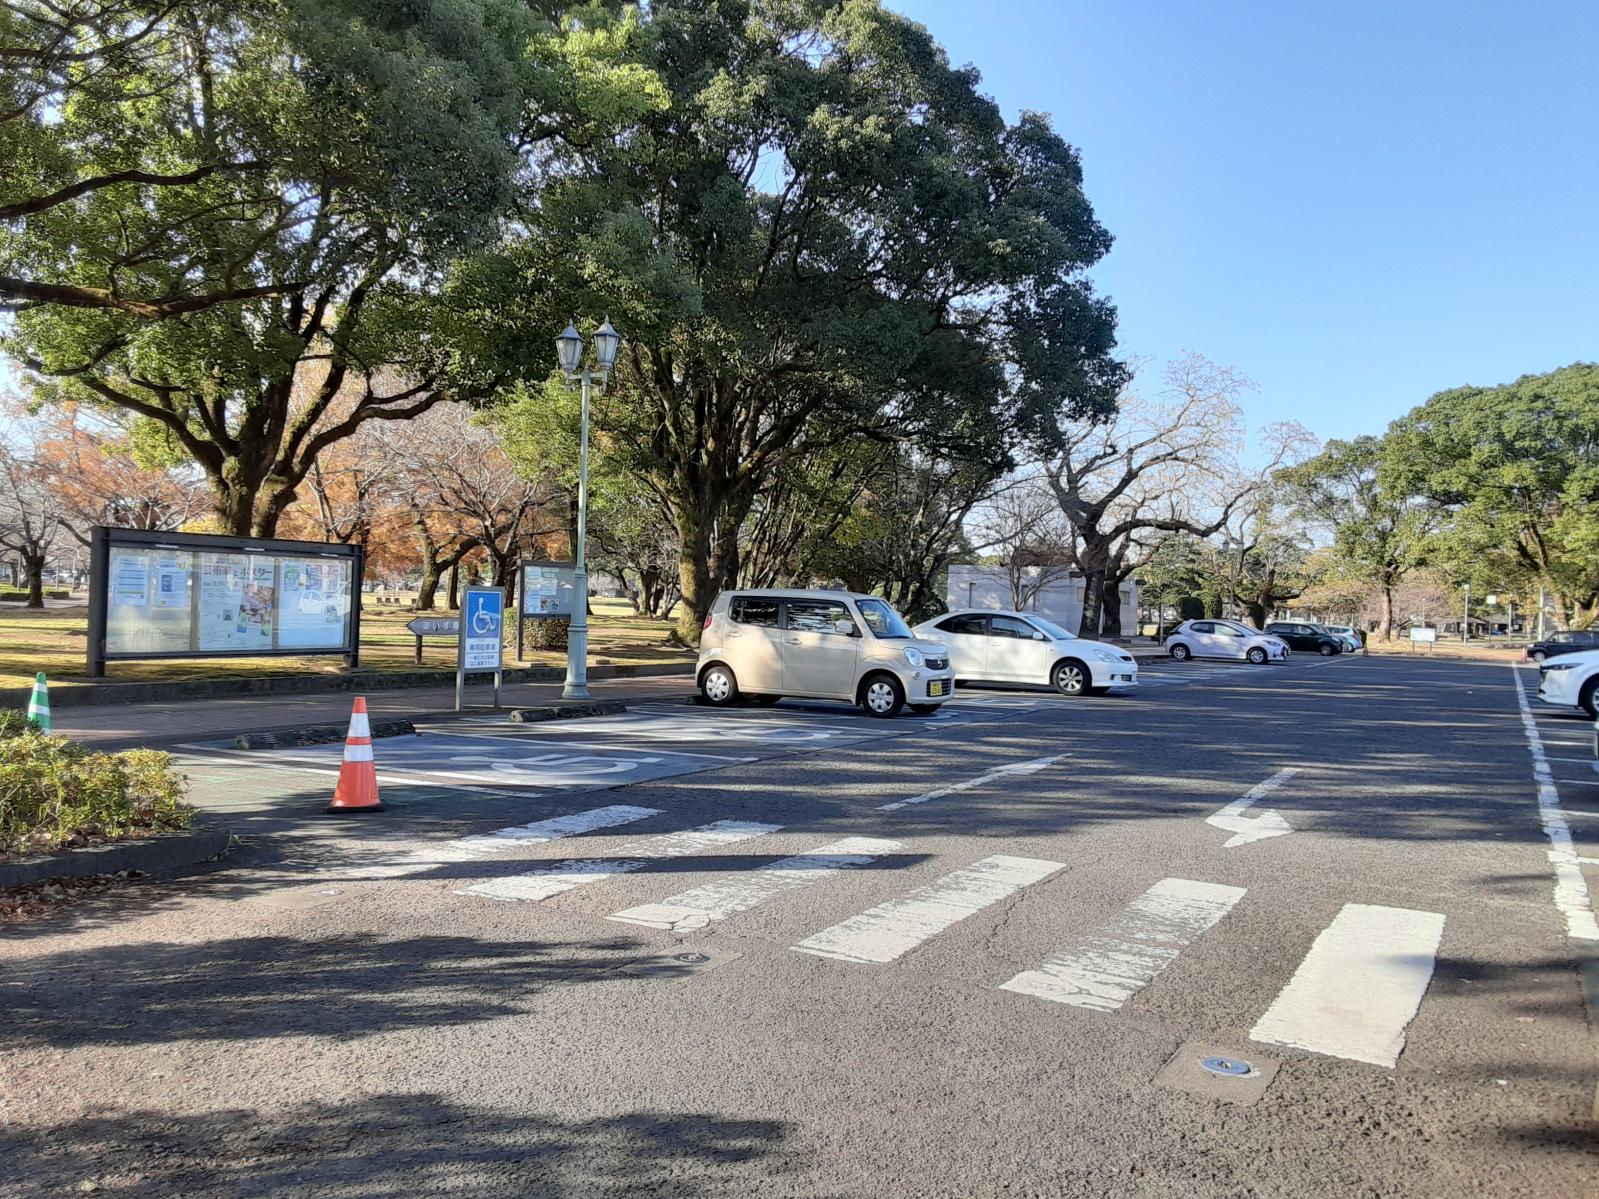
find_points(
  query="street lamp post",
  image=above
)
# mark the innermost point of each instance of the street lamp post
(569, 348)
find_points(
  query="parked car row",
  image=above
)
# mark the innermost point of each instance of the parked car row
(766, 644)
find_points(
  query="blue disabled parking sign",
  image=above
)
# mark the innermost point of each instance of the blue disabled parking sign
(482, 637)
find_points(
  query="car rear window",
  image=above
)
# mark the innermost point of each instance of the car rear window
(756, 610)
(970, 626)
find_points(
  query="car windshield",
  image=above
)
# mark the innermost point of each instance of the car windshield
(885, 623)
(1053, 629)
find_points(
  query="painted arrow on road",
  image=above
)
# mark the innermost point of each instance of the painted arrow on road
(1247, 829)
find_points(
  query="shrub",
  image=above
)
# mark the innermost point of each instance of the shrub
(54, 792)
(14, 723)
(540, 632)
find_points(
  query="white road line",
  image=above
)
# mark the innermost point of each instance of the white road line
(260, 758)
(562, 876)
(1121, 958)
(603, 747)
(467, 849)
(999, 772)
(721, 899)
(1571, 889)
(891, 929)
(1254, 828)
(1358, 987)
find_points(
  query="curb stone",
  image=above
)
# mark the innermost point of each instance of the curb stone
(320, 734)
(602, 707)
(160, 854)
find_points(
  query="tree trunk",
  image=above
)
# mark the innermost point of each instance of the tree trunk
(427, 594)
(694, 573)
(1111, 608)
(235, 506)
(1095, 563)
(1385, 618)
(455, 585)
(33, 566)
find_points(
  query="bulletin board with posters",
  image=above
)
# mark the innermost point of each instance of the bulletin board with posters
(194, 595)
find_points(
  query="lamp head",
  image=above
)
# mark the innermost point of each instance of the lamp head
(569, 349)
(607, 341)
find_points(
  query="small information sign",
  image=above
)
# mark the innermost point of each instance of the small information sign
(482, 632)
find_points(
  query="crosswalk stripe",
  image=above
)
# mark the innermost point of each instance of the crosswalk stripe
(1359, 987)
(466, 849)
(558, 877)
(1122, 957)
(891, 929)
(553, 829)
(721, 899)
(999, 772)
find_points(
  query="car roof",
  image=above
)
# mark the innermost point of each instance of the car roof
(800, 593)
(985, 612)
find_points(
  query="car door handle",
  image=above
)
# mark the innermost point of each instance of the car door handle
(734, 633)
(795, 641)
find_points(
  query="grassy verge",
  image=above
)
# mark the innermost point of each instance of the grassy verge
(54, 639)
(56, 793)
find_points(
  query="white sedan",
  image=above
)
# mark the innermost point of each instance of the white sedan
(1224, 639)
(1571, 681)
(1023, 647)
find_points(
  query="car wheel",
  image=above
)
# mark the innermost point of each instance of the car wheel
(924, 709)
(1589, 702)
(1326, 649)
(1070, 678)
(1181, 652)
(1537, 655)
(718, 687)
(1256, 655)
(882, 696)
(766, 701)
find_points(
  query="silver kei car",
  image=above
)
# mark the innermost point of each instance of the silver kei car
(766, 644)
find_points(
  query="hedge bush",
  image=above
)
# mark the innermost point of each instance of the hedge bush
(55, 792)
(542, 632)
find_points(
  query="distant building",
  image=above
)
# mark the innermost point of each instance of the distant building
(1059, 597)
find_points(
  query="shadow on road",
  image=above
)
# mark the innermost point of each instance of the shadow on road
(251, 988)
(399, 1145)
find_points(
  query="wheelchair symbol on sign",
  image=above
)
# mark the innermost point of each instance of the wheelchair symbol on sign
(483, 622)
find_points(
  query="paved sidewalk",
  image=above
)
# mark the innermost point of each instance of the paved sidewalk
(171, 722)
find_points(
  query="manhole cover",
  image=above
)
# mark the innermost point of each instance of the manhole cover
(1230, 1067)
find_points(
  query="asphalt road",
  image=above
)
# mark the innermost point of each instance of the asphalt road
(980, 955)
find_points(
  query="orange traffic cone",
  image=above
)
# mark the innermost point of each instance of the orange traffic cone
(358, 777)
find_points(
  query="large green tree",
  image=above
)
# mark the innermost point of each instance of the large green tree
(251, 222)
(827, 233)
(1516, 471)
(1380, 532)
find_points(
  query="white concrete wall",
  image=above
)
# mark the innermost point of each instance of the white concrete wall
(1061, 599)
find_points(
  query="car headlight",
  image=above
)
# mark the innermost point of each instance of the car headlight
(914, 657)
(1107, 655)
(1551, 667)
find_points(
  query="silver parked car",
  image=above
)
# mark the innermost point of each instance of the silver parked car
(1224, 639)
(765, 644)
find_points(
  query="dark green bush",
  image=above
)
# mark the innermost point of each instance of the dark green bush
(14, 723)
(56, 792)
(541, 632)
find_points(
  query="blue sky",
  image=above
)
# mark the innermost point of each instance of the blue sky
(1356, 204)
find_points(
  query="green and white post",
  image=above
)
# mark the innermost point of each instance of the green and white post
(39, 703)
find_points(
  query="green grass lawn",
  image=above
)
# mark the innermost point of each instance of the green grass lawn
(53, 640)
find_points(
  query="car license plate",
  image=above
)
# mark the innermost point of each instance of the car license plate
(936, 687)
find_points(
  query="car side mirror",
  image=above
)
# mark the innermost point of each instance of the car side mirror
(1037, 636)
(846, 626)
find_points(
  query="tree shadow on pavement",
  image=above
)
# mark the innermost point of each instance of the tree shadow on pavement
(403, 1145)
(251, 988)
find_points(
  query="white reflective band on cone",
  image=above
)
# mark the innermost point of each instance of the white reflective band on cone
(357, 753)
(358, 725)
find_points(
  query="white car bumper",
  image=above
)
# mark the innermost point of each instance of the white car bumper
(1113, 674)
(1558, 687)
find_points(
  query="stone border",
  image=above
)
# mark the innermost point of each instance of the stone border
(320, 734)
(160, 854)
(572, 711)
(83, 694)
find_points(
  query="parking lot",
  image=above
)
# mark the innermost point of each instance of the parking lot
(794, 950)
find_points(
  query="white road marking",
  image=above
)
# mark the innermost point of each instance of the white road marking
(525, 734)
(721, 899)
(891, 929)
(1571, 889)
(1358, 987)
(1121, 958)
(467, 849)
(562, 876)
(1269, 823)
(999, 772)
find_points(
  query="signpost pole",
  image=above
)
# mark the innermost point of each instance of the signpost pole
(99, 579)
(577, 632)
